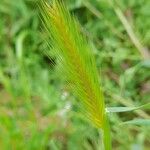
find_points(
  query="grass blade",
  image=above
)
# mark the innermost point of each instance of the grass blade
(145, 122)
(126, 109)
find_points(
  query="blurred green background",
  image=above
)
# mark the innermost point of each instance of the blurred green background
(37, 112)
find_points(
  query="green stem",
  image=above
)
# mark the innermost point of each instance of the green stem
(107, 134)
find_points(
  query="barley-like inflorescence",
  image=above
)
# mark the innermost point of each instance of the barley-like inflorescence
(75, 54)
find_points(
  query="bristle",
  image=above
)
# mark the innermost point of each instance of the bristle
(76, 56)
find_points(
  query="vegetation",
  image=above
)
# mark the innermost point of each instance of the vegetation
(37, 110)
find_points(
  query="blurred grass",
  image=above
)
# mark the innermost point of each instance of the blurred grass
(36, 109)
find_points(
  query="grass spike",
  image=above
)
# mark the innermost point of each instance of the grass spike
(76, 57)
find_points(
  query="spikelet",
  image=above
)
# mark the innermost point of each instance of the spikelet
(74, 53)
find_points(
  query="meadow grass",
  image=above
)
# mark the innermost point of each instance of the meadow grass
(37, 111)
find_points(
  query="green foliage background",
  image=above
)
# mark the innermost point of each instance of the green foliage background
(36, 109)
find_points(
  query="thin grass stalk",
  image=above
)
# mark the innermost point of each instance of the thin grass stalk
(107, 134)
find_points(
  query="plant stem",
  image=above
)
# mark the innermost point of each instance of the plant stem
(107, 134)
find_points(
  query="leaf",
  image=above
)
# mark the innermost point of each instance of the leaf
(145, 122)
(125, 109)
(74, 54)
